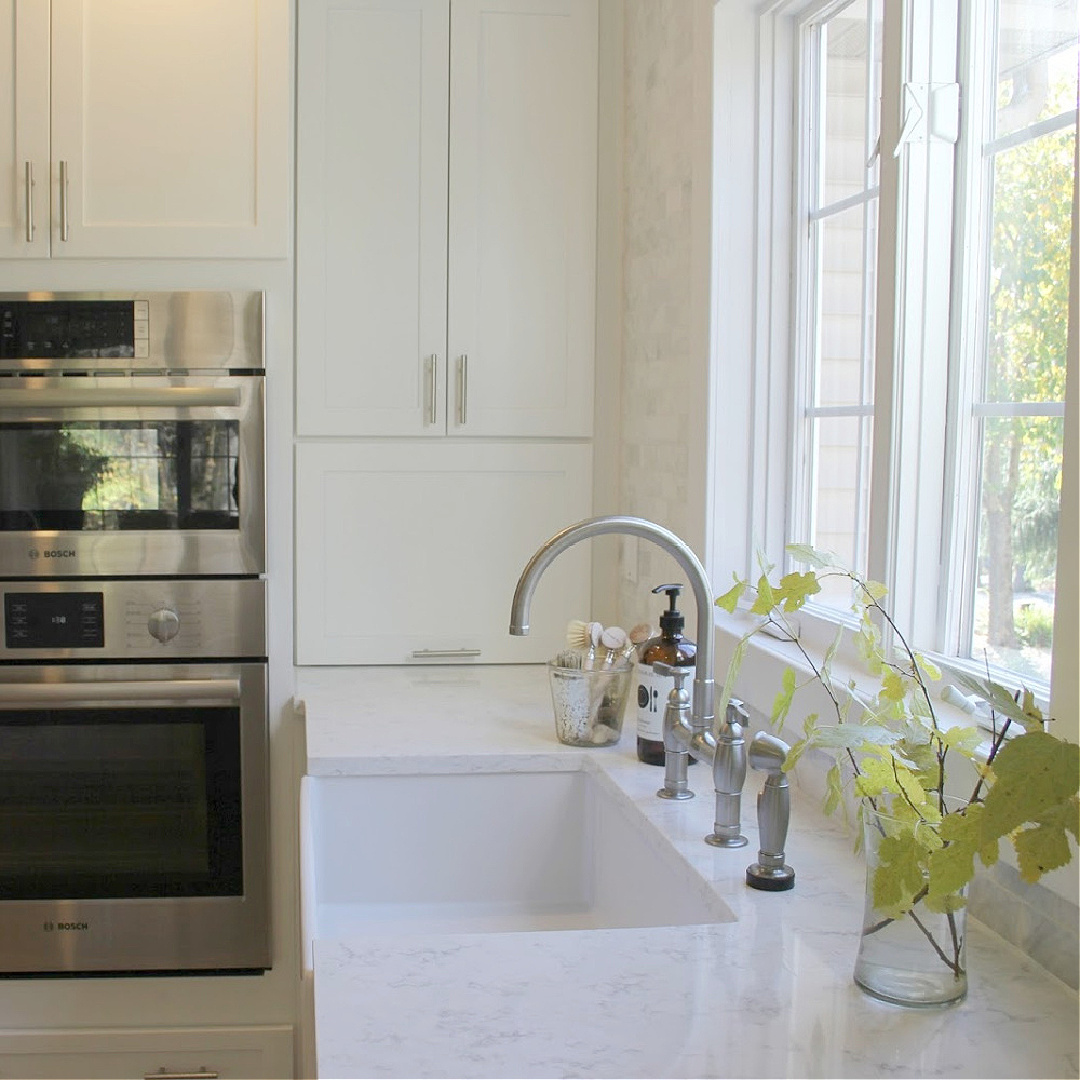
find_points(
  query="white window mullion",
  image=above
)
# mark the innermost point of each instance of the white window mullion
(912, 342)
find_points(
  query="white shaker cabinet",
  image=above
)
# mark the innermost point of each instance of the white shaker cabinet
(446, 217)
(144, 130)
(410, 550)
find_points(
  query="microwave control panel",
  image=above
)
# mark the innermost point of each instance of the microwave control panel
(73, 329)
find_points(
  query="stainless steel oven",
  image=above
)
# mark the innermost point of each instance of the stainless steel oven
(131, 434)
(133, 776)
(134, 799)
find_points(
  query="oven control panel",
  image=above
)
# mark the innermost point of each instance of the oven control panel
(136, 619)
(52, 620)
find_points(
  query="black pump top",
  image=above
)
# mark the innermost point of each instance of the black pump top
(671, 622)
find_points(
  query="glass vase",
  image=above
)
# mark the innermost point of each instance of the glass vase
(917, 958)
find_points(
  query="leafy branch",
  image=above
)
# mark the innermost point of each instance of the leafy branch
(897, 753)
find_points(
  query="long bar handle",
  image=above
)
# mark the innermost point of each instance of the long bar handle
(63, 200)
(137, 690)
(164, 1074)
(463, 388)
(444, 654)
(433, 395)
(29, 202)
(91, 397)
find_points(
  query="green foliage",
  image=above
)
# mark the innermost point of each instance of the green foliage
(890, 752)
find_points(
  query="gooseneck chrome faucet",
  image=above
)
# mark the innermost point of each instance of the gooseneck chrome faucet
(726, 749)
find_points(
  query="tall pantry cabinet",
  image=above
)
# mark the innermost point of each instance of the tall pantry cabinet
(446, 253)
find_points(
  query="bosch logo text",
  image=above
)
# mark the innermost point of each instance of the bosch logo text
(53, 553)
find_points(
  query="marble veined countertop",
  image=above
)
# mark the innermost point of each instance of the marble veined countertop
(768, 995)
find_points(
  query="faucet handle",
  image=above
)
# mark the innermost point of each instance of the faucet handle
(671, 671)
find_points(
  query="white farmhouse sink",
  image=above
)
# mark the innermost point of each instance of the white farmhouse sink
(489, 852)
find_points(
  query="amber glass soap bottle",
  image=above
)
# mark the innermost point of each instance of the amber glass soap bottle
(672, 648)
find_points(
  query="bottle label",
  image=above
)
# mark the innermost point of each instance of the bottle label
(652, 697)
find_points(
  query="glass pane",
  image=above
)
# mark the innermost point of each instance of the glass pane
(1017, 553)
(136, 802)
(1036, 61)
(849, 84)
(848, 243)
(841, 490)
(120, 475)
(1029, 274)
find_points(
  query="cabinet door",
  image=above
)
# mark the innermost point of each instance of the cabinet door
(170, 128)
(24, 128)
(409, 552)
(371, 218)
(523, 100)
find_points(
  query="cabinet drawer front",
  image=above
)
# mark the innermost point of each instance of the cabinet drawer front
(265, 1051)
(409, 552)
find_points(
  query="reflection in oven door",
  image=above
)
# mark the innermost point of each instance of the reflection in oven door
(133, 809)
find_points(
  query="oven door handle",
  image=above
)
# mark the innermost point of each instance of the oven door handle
(97, 397)
(16, 695)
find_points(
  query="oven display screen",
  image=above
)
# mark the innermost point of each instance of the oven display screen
(54, 620)
(66, 329)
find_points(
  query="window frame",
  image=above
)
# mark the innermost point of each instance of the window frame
(755, 404)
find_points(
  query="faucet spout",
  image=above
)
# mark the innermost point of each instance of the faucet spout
(701, 718)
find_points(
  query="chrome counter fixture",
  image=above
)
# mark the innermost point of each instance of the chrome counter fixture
(726, 749)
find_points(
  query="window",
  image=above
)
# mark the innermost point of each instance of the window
(911, 239)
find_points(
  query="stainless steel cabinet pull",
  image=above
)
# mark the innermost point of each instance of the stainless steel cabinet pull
(444, 654)
(182, 397)
(29, 202)
(63, 200)
(463, 388)
(164, 1074)
(433, 396)
(137, 690)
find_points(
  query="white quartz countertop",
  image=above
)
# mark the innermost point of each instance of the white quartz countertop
(768, 995)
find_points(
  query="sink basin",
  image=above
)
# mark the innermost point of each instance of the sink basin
(467, 852)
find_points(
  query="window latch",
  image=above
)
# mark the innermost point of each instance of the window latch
(931, 112)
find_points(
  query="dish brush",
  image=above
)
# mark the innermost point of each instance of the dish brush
(614, 639)
(583, 635)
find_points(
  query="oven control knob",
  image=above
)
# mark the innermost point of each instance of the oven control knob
(164, 624)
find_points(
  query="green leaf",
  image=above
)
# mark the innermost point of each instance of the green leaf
(874, 589)
(893, 685)
(997, 697)
(765, 601)
(730, 600)
(964, 740)
(834, 793)
(782, 704)
(805, 553)
(1033, 774)
(796, 589)
(1041, 848)
(929, 669)
(899, 874)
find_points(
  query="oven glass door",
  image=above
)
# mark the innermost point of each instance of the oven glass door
(140, 474)
(116, 803)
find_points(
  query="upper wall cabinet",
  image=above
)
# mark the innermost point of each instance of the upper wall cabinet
(144, 130)
(446, 217)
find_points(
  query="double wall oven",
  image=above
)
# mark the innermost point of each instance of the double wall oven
(133, 700)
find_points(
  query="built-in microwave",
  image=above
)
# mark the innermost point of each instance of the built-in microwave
(131, 434)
